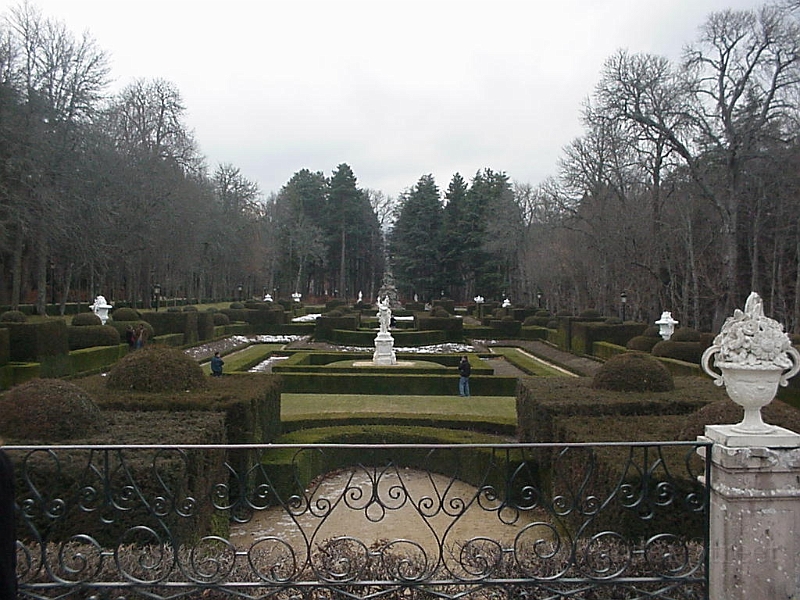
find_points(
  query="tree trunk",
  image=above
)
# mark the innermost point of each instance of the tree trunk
(41, 274)
(16, 281)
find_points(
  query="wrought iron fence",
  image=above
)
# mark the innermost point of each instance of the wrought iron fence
(363, 521)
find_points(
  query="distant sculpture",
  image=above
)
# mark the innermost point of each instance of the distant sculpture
(360, 297)
(384, 342)
(384, 314)
(101, 308)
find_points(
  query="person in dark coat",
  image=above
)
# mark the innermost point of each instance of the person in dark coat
(216, 365)
(8, 534)
(464, 371)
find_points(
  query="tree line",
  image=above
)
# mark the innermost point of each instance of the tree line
(111, 194)
(681, 193)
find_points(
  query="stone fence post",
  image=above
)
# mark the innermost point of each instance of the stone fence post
(754, 546)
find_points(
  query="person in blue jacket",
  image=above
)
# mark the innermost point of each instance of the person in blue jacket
(464, 371)
(216, 365)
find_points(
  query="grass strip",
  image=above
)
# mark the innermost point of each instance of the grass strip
(296, 406)
(527, 363)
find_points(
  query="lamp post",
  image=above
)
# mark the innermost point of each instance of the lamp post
(53, 281)
(624, 299)
(539, 299)
(157, 294)
(666, 325)
(479, 301)
(239, 288)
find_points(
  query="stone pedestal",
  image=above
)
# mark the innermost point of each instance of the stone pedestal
(384, 350)
(755, 519)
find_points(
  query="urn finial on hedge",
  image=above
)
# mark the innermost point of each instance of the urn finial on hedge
(754, 356)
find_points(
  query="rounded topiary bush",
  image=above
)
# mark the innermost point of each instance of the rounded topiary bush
(85, 320)
(685, 334)
(237, 305)
(440, 313)
(633, 372)
(613, 321)
(552, 324)
(48, 410)
(13, 316)
(221, 319)
(590, 313)
(190, 308)
(726, 412)
(564, 313)
(645, 342)
(335, 313)
(173, 309)
(530, 322)
(157, 369)
(125, 314)
(684, 351)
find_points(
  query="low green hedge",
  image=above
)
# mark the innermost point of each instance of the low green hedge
(90, 360)
(533, 333)
(452, 326)
(382, 384)
(31, 342)
(289, 471)
(250, 403)
(15, 373)
(506, 329)
(89, 336)
(5, 346)
(325, 326)
(364, 338)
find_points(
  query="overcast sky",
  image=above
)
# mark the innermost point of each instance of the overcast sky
(396, 89)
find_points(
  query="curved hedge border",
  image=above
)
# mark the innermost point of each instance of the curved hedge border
(289, 470)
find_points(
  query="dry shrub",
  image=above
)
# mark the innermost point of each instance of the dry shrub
(48, 410)
(726, 412)
(86, 319)
(157, 369)
(633, 372)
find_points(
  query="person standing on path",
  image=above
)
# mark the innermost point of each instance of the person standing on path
(464, 371)
(216, 365)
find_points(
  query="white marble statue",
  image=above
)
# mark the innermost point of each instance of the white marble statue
(101, 308)
(384, 314)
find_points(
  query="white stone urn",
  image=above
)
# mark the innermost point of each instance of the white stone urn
(754, 356)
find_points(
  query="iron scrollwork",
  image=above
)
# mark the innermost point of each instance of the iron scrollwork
(339, 521)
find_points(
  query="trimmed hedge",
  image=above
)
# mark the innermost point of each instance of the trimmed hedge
(5, 346)
(250, 404)
(453, 327)
(401, 338)
(508, 329)
(585, 334)
(88, 336)
(94, 359)
(287, 468)
(325, 325)
(389, 385)
(262, 321)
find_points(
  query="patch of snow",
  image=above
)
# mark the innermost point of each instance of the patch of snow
(307, 318)
(265, 366)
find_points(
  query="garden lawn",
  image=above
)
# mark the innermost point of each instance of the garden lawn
(497, 409)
